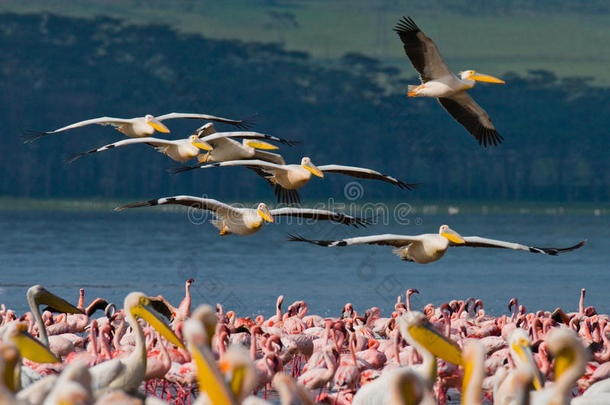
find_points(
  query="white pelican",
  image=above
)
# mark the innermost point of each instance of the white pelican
(127, 373)
(429, 343)
(474, 372)
(245, 221)
(438, 81)
(142, 126)
(225, 148)
(520, 350)
(430, 247)
(288, 178)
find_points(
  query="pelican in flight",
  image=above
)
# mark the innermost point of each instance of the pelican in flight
(182, 150)
(288, 178)
(246, 221)
(140, 127)
(438, 81)
(225, 148)
(430, 247)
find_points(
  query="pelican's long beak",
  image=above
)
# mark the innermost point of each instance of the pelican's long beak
(208, 375)
(523, 350)
(56, 303)
(437, 344)
(481, 77)
(564, 359)
(202, 145)
(31, 348)
(453, 236)
(147, 312)
(313, 169)
(234, 376)
(264, 213)
(255, 143)
(157, 125)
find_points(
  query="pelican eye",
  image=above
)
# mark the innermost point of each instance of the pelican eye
(144, 301)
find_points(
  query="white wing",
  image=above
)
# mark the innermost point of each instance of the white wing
(476, 241)
(364, 173)
(385, 239)
(257, 165)
(100, 121)
(104, 373)
(207, 204)
(243, 135)
(192, 116)
(131, 141)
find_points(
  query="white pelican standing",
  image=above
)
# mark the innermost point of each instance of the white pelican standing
(225, 148)
(127, 373)
(245, 221)
(142, 126)
(288, 178)
(438, 81)
(430, 247)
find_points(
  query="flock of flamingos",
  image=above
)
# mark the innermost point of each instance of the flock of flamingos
(152, 352)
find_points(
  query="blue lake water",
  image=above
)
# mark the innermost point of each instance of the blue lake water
(111, 254)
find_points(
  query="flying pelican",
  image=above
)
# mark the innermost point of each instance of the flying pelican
(245, 221)
(225, 148)
(142, 126)
(127, 373)
(288, 178)
(429, 247)
(182, 150)
(438, 81)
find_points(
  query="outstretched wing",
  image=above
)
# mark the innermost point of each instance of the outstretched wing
(100, 121)
(476, 241)
(467, 112)
(385, 239)
(207, 204)
(130, 141)
(247, 123)
(364, 173)
(421, 50)
(316, 214)
(244, 135)
(259, 166)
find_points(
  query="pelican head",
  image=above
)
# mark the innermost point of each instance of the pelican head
(479, 77)
(239, 371)
(415, 328)
(307, 165)
(521, 351)
(263, 212)
(199, 143)
(156, 124)
(139, 305)
(568, 351)
(27, 345)
(450, 234)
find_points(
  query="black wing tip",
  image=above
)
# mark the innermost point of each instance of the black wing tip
(31, 135)
(75, 157)
(408, 186)
(406, 25)
(248, 122)
(288, 197)
(557, 251)
(488, 137)
(299, 238)
(138, 204)
(176, 170)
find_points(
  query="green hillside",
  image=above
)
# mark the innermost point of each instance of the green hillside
(565, 37)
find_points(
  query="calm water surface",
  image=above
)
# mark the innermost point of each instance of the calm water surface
(111, 254)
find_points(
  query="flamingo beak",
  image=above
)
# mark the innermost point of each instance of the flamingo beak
(253, 143)
(313, 169)
(208, 374)
(158, 126)
(453, 236)
(264, 213)
(203, 145)
(437, 344)
(481, 77)
(148, 313)
(31, 348)
(523, 350)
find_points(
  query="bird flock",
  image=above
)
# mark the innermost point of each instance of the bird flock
(149, 351)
